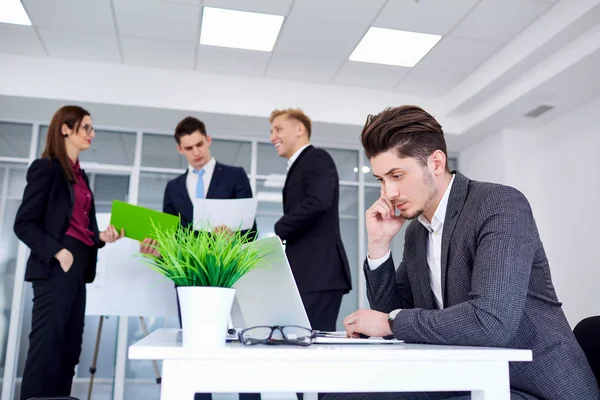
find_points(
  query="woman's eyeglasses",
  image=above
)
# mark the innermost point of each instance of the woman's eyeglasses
(277, 335)
(87, 128)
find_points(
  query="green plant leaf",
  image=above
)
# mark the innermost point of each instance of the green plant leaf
(203, 258)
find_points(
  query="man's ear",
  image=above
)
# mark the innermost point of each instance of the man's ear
(208, 139)
(179, 149)
(299, 129)
(438, 162)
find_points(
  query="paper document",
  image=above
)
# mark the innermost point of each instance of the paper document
(233, 213)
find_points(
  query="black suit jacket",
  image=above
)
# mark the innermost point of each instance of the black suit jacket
(44, 217)
(227, 182)
(311, 224)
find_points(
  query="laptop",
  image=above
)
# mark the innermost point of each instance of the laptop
(268, 295)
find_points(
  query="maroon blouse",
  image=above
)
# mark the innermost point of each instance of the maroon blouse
(80, 219)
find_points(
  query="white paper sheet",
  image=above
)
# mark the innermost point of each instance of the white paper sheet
(125, 285)
(233, 213)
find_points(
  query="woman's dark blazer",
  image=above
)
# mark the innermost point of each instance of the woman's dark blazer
(44, 217)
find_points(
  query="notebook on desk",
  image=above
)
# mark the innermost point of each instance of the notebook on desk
(268, 296)
(339, 337)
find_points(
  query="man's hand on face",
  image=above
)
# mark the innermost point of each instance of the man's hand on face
(382, 225)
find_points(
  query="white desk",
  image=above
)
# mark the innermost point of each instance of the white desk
(327, 368)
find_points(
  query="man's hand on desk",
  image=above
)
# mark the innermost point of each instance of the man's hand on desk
(150, 247)
(367, 322)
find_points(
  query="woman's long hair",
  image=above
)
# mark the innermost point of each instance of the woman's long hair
(55, 140)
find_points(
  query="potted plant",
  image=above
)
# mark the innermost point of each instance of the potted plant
(204, 266)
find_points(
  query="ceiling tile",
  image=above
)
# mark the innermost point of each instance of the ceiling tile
(428, 83)
(458, 55)
(279, 7)
(81, 46)
(89, 16)
(358, 11)
(370, 75)
(160, 20)
(426, 16)
(319, 39)
(20, 39)
(150, 53)
(232, 61)
(302, 68)
(500, 21)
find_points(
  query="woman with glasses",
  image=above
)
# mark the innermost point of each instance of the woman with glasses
(57, 221)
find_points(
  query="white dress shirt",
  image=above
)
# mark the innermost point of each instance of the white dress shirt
(434, 247)
(192, 178)
(295, 156)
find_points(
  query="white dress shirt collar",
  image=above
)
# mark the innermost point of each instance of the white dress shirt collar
(208, 168)
(191, 180)
(295, 156)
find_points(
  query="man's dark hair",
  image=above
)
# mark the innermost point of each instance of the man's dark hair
(409, 130)
(187, 126)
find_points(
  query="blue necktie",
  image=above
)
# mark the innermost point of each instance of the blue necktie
(200, 184)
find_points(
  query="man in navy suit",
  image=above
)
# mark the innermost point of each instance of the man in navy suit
(204, 178)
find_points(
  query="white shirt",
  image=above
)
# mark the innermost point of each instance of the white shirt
(434, 247)
(192, 178)
(295, 156)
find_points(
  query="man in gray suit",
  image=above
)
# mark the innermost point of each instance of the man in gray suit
(474, 270)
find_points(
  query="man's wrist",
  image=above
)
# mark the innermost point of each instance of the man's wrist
(392, 318)
(378, 249)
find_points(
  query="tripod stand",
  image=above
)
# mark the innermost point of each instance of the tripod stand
(97, 348)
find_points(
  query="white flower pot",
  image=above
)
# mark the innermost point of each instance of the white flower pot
(204, 315)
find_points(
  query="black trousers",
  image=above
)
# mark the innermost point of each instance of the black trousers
(208, 396)
(56, 327)
(323, 308)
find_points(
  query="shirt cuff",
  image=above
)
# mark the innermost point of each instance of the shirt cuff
(373, 264)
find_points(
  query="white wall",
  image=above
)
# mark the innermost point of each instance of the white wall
(555, 166)
(127, 85)
(484, 161)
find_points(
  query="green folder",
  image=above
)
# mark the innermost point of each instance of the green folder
(137, 221)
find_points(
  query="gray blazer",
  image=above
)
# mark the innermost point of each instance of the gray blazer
(496, 287)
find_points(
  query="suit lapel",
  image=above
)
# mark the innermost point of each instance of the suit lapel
(456, 201)
(181, 192)
(294, 165)
(215, 180)
(69, 184)
(421, 262)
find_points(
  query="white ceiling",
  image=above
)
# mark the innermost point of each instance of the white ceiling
(314, 44)
(497, 58)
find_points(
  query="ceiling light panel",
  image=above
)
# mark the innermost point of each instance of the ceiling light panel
(239, 29)
(393, 47)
